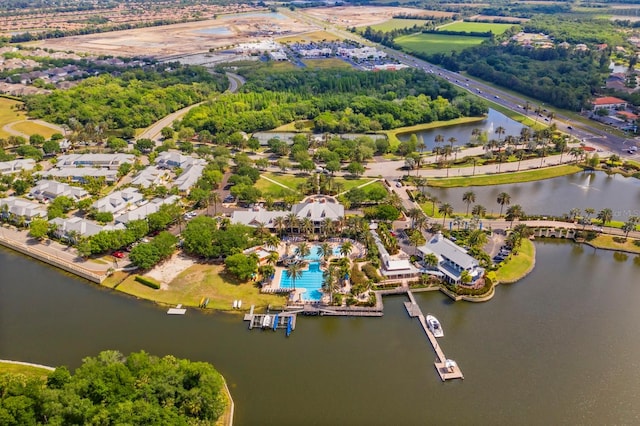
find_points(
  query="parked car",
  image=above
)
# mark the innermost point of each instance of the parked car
(118, 254)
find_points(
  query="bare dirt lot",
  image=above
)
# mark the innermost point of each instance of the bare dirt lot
(182, 39)
(357, 16)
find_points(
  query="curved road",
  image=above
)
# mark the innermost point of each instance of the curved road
(9, 127)
(153, 132)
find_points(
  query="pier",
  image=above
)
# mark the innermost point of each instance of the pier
(446, 368)
(279, 320)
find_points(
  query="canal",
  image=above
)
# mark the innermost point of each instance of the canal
(560, 346)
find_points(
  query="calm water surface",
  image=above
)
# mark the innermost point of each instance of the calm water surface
(560, 347)
(462, 132)
(556, 196)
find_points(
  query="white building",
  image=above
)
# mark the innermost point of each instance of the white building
(46, 190)
(109, 161)
(146, 209)
(118, 201)
(361, 53)
(173, 159)
(189, 177)
(80, 174)
(315, 53)
(13, 207)
(394, 266)
(16, 166)
(151, 176)
(452, 259)
(65, 228)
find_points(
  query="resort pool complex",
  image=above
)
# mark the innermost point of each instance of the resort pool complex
(314, 256)
(311, 281)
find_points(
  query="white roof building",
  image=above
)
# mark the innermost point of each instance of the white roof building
(117, 201)
(21, 208)
(50, 189)
(79, 174)
(173, 159)
(146, 209)
(150, 176)
(16, 166)
(189, 177)
(394, 266)
(316, 209)
(82, 227)
(452, 259)
(110, 161)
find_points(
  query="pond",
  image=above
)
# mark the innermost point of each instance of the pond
(555, 197)
(462, 132)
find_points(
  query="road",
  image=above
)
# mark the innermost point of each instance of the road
(153, 132)
(582, 131)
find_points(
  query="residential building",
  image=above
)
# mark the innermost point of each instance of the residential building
(608, 102)
(151, 176)
(13, 208)
(173, 159)
(80, 174)
(189, 177)
(16, 166)
(452, 259)
(118, 201)
(46, 190)
(146, 209)
(394, 266)
(75, 227)
(108, 161)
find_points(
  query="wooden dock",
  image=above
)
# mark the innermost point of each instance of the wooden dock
(446, 368)
(257, 320)
(178, 310)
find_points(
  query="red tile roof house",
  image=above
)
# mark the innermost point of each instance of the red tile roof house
(627, 116)
(608, 102)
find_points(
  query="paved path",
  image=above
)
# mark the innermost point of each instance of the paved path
(9, 127)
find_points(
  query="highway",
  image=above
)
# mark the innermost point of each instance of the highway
(584, 132)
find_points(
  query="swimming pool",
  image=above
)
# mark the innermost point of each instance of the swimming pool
(311, 281)
(314, 256)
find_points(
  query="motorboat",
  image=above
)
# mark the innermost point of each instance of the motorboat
(266, 321)
(434, 326)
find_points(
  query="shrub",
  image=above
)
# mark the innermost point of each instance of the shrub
(371, 272)
(337, 299)
(357, 277)
(148, 282)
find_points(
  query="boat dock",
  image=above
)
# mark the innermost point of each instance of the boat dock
(447, 369)
(279, 320)
(178, 310)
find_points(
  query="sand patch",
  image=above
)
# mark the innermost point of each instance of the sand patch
(167, 271)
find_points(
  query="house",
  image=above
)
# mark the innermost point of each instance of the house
(150, 176)
(452, 259)
(108, 161)
(627, 116)
(78, 227)
(16, 166)
(46, 190)
(189, 177)
(79, 174)
(117, 201)
(13, 208)
(608, 102)
(146, 209)
(173, 159)
(317, 209)
(394, 266)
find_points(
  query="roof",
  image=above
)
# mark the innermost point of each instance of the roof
(145, 210)
(608, 100)
(82, 226)
(15, 166)
(74, 172)
(447, 249)
(186, 180)
(318, 210)
(147, 177)
(74, 160)
(118, 200)
(51, 189)
(628, 115)
(255, 216)
(22, 207)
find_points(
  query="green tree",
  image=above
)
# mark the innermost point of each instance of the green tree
(445, 210)
(242, 266)
(503, 199)
(469, 197)
(605, 216)
(295, 270)
(514, 212)
(38, 228)
(145, 256)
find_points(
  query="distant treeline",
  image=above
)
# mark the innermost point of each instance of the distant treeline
(425, 17)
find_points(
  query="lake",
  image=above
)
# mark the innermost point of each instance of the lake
(462, 132)
(559, 347)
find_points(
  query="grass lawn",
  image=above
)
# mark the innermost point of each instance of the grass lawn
(273, 190)
(504, 178)
(350, 183)
(8, 114)
(518, 265)
(291, 127)
(392, 135)
(437, 43)
(396, 23)
(309, 37)
(607, 242)
(203, 280)
(30, 128)
(27, 370)
(479, 27)
(328, 63)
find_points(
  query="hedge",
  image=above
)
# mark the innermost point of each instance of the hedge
(148, 282)
(371, 272)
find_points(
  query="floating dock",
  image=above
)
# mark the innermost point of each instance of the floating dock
(447, 369)
(280, 320)
(178, 310)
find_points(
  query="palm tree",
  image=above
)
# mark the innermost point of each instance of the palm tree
(431, 261)
(272, 241)
(292, 221)
(416, 239)
(273, 257)
(573, 214)
(479, 210)
(280, 223)
(605, 216)
(469, 197)
(214, 198)
(327, 226)
(438, 140)
(325, 251)
(503, 199)
(303, 250)
(294, 271)
(306, 225)
(520, 155)
(500, 131)
(329, 280)
(477, 238)
(346, 248)
(514, 212)
(630, 225)
(414, 214)
(446, 210)
(588, 212)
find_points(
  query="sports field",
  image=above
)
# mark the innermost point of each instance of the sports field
(480, 27)
(437, 43)
(395, 24)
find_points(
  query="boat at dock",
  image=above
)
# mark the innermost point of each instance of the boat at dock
(434, 326)
(266, 321)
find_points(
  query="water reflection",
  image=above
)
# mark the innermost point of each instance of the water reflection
(463, 132)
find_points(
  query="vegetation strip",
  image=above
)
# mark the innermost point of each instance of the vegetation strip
(505, 178)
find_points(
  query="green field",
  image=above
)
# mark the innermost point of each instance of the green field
(437, 43)
(480, 27)
(328, 63)
(26, 370)
(396, 23)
